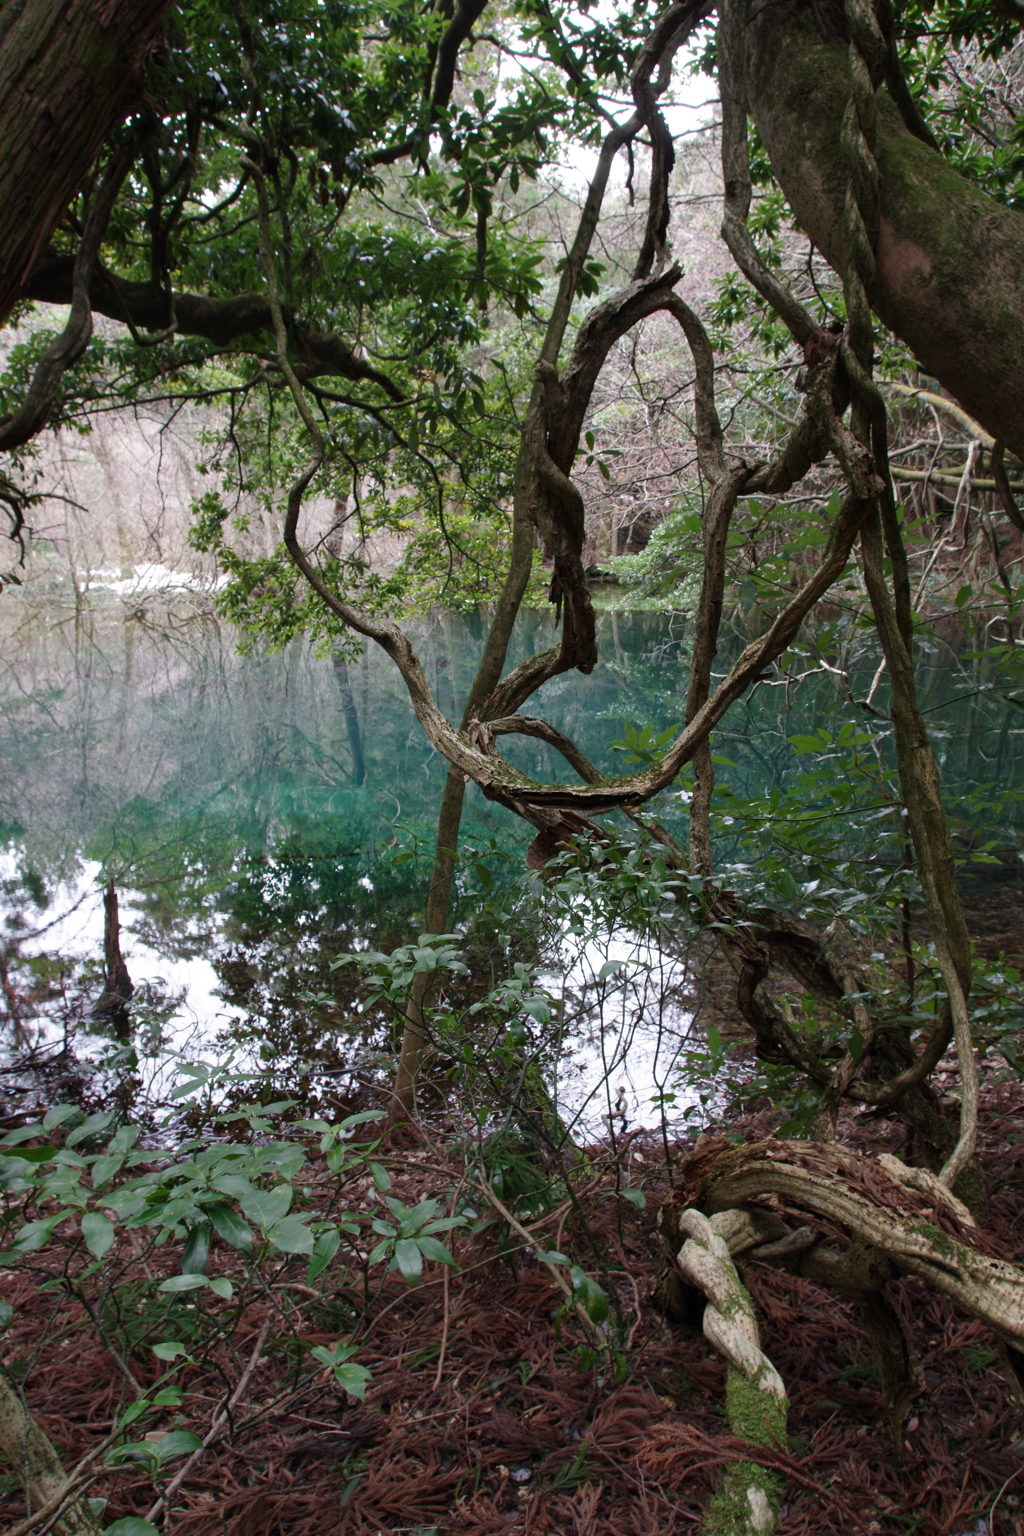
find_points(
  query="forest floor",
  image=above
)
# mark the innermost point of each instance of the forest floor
(482, 1417)
(485, 1415)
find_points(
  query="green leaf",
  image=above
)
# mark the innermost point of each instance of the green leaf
(221, 1286)
(6, 1314)
(380, 1177)
(34, 1234)
(635, 1197)
(98, 1232)
(58, 1115)
(291, 1236)
(170, 1350)
(197, 1249)
(268, 1207)
(590, 1294)
(353, 1379)
(92, 1125)
(324, 1249)
(432, 1248)
(19, 1134)
(229, 1225)
(177, 1283)
(131, 1525)
(409, 1258)
(134, 1411)
(334, 1355)
(179, 1442)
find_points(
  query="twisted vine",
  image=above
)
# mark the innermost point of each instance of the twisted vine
(870, 59)
(756, 1399)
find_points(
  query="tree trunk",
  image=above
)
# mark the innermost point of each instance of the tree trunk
(35, 1462)
(118, 987)
(67, 74)
(414, 1043)
(348, 706)
(950, 260)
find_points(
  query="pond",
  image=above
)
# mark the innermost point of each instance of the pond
(261, 815)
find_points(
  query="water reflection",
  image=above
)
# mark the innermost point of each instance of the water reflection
(261, 815)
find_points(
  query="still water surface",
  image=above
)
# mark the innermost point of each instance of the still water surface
(261, 815)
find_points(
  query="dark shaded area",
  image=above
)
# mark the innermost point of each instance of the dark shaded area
(516, 1432)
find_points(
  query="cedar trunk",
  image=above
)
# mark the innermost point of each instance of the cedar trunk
(67, 74)
(950, 259)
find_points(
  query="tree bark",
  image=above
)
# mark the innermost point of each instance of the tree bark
(67, 74)
(950, 260)
(36, 1463)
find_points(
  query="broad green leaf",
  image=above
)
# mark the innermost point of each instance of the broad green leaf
(177, 1283)
(268, 1207)
(333, 1355)
(34, 1234)
(197, 1249)
(19, 1134)
(409, 1258)
(324, 1249)
(291, 1236)
(221, 1286)
(353, 1378)
(131, 1525)
(58, 1115)
(229, 1225)
(635, 1197)
(179, 1442)
(590, 1294)
(380, 1177)
(98, 1232)
(92, 1125)
(379, 1252)
(104, 1168)
(170, 1350)
(134, 1411)
(431, 1248)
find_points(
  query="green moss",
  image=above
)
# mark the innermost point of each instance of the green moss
(754, 1414)
(938, 1239)
(748, 1500)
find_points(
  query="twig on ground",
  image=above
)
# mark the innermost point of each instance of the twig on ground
(216, 1429)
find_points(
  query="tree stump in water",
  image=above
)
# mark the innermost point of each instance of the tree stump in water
(118, 987)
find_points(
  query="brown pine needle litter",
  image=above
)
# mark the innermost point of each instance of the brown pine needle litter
(516, 1433)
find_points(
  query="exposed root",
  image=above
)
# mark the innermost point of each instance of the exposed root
(748, 1501)
(854, 1223)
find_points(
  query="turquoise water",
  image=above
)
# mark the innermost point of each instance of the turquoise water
(223, 796)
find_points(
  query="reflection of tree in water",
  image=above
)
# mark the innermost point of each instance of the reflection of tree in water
(222, 794)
